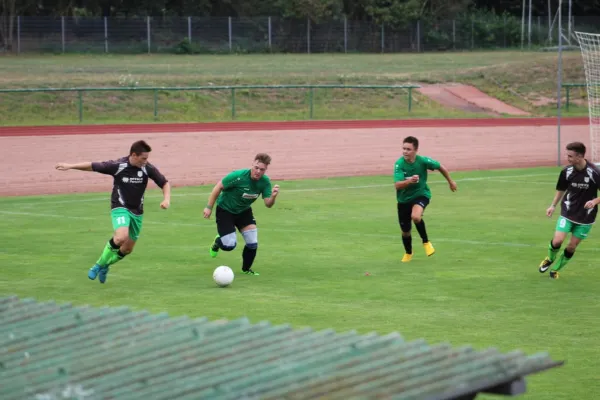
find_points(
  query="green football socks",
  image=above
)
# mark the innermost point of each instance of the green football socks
(110, 254)
(552, 252)
(563, 260)
(106, 255)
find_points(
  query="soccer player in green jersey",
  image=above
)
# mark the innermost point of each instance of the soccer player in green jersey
(578, 184)
(234, 196)
(413, 194)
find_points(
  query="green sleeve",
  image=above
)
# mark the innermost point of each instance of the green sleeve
(432, 164)
(230, 179)
(267, 189)
(398, 173)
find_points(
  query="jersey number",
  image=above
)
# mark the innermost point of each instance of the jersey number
(121, 220)
(562, 223)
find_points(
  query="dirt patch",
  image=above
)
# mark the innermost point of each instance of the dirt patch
(468, 98)
(440, 94)
(541, 101)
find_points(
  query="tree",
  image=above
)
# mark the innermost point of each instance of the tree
(8, 12)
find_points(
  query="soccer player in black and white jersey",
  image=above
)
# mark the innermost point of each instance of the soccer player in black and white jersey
(577, 186)
(130, 179)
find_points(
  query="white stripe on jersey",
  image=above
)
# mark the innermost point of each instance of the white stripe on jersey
(590, 173)
(122, 166)
(569, 171)
(120, 197)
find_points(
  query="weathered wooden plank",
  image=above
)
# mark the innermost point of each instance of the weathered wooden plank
(48, 349)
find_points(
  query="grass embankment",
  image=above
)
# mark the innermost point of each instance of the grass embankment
(524, 79)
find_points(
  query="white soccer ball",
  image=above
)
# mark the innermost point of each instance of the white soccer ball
(223, 276)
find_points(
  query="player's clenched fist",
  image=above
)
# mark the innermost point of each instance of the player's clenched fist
(62, 166)
(275, 190)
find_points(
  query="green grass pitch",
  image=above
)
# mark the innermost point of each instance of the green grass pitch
(481, 287)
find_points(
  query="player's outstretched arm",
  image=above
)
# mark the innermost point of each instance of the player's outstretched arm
(212, 198)
(270, 201)
(446, 175)
(84, 166)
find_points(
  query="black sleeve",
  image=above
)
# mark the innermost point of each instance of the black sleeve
(156, 176)
(106, 167)
(562, 184)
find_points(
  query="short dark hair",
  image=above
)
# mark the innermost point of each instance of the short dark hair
(263, 158)
(577, 147)
(140, 147)
(412, 140)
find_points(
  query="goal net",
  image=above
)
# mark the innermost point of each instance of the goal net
(589, 44)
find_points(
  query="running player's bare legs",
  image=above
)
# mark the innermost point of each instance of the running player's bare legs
(558, 239)
(122, 239)
(247, 228)
(417, 214)
(573, 243)
(121, 235)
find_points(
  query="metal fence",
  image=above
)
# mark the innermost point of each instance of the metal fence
(276, 34)
(232, 89)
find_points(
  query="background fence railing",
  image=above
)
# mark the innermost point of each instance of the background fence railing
(156, 90)
(568, 87)
(198, 35)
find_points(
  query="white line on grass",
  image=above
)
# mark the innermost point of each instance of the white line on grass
(527, 182)
(42, 215)
(288, 230)
(500, 178)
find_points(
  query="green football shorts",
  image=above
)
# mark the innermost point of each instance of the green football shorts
(578, 230)
(121, 217)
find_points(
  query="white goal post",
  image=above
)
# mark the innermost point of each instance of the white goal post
(589, 43)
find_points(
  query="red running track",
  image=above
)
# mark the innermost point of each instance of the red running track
(283, 125)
